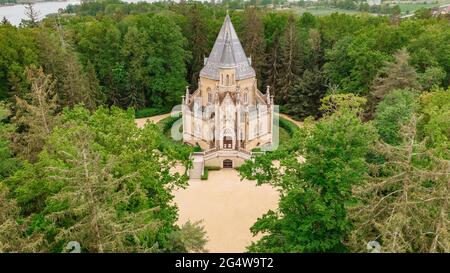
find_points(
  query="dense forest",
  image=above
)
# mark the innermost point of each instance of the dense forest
(122, 57)
(373, 92)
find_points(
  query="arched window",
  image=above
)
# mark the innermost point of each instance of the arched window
(209, 95)
(228, 80)
(246, 95)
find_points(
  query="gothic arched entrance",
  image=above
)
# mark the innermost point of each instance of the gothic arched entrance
(227, 138)
(227, 163)
(227, 142)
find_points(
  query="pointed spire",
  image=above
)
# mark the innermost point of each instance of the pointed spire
(227, 52)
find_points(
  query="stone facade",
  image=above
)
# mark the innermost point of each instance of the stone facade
(227, 116)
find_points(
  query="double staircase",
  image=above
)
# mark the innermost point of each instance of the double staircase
(200, 158)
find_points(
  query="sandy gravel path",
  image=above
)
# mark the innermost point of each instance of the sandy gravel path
(296, 122)
(140, 122)
(227, 206)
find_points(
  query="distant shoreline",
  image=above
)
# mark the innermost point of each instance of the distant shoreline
(24, 2)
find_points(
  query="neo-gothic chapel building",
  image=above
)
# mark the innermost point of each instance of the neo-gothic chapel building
(227, 116)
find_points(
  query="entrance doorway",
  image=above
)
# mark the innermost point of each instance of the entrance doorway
(227, 163)
(227, 142)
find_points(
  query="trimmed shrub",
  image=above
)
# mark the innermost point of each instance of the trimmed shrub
(149, 112)
(205, 174)
(289, 126)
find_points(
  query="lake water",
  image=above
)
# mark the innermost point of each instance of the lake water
(16, 13)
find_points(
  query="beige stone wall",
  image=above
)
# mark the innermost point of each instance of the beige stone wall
(206, 84)
(209, 85)
(248, 84)
(227, 73)
(218, 161)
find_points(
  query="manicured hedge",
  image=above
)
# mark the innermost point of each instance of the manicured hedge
(176, 148)
(205, 174)
(207, 169)
(149, 112)
(166, 124)
(288, 125)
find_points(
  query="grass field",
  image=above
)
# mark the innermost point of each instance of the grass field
(322, 11)
(409, 8)
(406, 8)
(284, 135)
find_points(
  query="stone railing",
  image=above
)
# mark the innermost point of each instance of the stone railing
(224, 153)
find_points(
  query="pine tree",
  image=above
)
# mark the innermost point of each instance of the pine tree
(133, 51)
(96, 96)
(31, 15)
(35, 115)
(253, 40)
(106, 184)
(304, 99)
(272, 67)
(405, 206)
(314, 56)
(92, 195)
(7, 162)
(72, 85)
(198, 42)
(5, 21)
(9, 228)
(291, 60)
(395, 75)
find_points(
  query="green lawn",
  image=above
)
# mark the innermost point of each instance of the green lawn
(322, 11)
(285, 137)
(405, 8)
(409, 8)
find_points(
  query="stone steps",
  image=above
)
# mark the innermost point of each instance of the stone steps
(198, 165)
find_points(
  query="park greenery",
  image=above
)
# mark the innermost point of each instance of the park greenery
(370, 163)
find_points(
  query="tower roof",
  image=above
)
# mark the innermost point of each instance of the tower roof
(227, 52)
